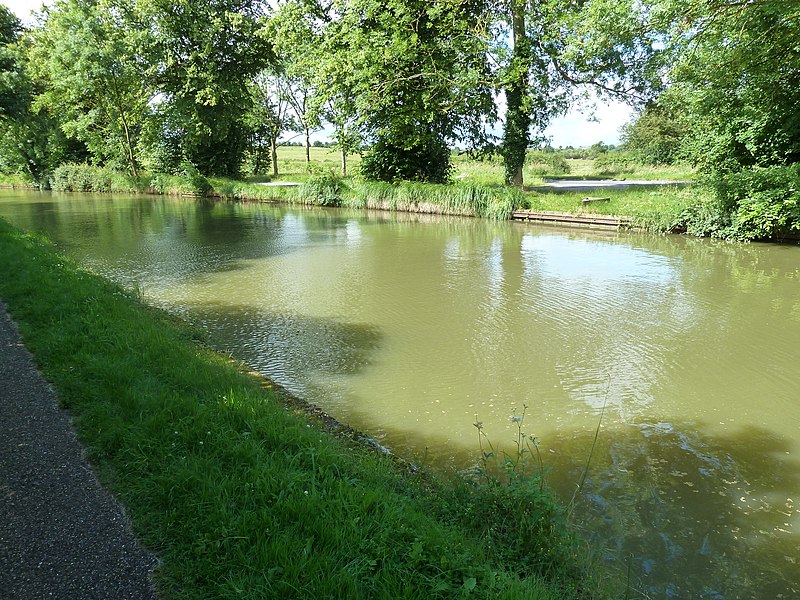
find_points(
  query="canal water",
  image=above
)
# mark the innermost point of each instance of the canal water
(681, 355)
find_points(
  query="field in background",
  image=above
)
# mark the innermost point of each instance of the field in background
(539, 166)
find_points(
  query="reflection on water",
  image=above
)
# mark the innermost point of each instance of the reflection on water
(407, 326)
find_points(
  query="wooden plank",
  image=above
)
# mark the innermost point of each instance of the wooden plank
(567, 218)
(590, 199)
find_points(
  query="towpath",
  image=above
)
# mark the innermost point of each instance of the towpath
(62, 536)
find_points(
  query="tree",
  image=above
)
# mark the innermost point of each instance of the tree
(202, 57)
(270, 117)
(31, 141)
(93, 77)
(559, 48)
(737, 71)
(297, 30)
(417, 76)
(656, 135)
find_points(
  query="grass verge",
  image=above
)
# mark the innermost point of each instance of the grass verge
(241, 497)
(658, 208)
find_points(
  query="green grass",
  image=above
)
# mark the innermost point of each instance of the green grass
(240, 496)
(658, 209)
(15, 181)
(292, 166)
(609, 169)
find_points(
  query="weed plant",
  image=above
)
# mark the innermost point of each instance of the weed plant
(518, 504)
(239, 496)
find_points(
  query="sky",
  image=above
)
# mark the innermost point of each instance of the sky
(574, 129)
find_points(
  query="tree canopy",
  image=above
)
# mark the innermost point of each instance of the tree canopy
(153, 85)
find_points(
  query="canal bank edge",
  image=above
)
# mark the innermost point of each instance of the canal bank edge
(202, 431)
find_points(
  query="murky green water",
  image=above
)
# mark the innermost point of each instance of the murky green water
(407, 327)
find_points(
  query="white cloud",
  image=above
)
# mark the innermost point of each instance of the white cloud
(575, 128)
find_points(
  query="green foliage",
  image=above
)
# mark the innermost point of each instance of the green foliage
(513, 484)
(613, 164)
(201, 57)
(428, 160)
(559, 48)
(767, 201)
(323, 189)
(656, 135)
(10, 28)
(31, 142)
(750, 204)
(736, 74)
(416, 76)
(543, 163)
(80, 177)
(198, 184)
(460, 199)
(92, 77)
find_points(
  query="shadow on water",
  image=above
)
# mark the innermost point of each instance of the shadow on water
(683, 510)
(291, 348)
(693, 513)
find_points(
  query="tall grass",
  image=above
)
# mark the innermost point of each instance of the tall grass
(459, 199)
(240, 496)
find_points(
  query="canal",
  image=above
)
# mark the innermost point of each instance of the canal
(685, 352)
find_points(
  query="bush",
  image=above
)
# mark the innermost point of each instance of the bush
(767, 201)
(197, 183)
(428, 160)
(751, 204)
(80, 177)
(547, 163)
(614, 163)
(323, 189)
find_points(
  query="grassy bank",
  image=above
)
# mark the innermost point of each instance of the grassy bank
(657, 208)
(15, 182)
(240, 496)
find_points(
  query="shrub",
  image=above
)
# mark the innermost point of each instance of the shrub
(767, 201)
(547, 163)
(428, 160)
(614, 163)
(323, 189)
(196, 182)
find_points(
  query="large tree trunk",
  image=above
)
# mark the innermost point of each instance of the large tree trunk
(344, 163)
(516, 136)
(273, 144)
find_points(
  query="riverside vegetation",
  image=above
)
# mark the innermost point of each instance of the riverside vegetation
(241, 496)
(756, 204)
(140, 87)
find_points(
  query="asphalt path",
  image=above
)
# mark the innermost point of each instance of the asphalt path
(62, 536)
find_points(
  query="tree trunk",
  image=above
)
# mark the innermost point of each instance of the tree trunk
(344, 163)
(308, 145)
(273, 144)
(516, 136)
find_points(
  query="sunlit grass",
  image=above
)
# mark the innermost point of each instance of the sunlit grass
(656, 208)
